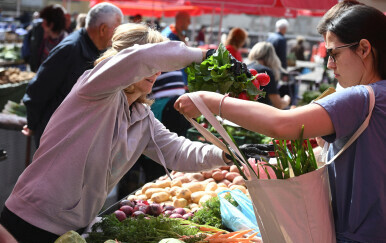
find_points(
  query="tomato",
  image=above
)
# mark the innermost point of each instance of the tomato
(253, 72)
(243, 95)
(205, 125)
(263, 79)
(256, 83)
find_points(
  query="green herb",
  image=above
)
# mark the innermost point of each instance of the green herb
(210, 213)
(214, 74)
(298, 156)
(133, 230)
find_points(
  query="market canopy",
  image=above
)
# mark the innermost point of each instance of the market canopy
(151, 8)
(169, 8)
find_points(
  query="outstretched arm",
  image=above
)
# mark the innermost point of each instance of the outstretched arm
(261, 118)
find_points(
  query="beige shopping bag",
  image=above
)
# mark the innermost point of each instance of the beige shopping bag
(294, 210)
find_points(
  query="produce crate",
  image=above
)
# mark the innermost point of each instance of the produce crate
(195, 135)
(12, 91)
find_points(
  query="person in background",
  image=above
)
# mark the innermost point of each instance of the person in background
(97, 134)
(44, 35)
(279, 42)
(200, 38)
(80, 21)
(264, 60)
(356, 50)
(74, 55)
(235, 41)
(298, 49)
(177, 31)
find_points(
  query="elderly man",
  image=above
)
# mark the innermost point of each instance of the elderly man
(177, 31)
(65, 64)
(279, 42)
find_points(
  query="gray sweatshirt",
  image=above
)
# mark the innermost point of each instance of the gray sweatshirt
(93, 139)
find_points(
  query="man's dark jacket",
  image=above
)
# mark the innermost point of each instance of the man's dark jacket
(56, 77)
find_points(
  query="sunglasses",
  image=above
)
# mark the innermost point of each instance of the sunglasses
(332, 56)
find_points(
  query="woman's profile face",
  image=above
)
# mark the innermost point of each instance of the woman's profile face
(348, 67)
(145, 85)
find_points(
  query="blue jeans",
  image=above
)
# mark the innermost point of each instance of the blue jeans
(342, 239)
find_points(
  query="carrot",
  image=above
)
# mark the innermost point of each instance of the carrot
(214, 235)
(241, 233)
(229, 240)
(252, 235)
(214, 230)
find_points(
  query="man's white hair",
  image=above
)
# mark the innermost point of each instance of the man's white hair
(102, 13)
(281, 23)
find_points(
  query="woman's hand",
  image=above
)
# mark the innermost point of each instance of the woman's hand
(26, 131)
(185, 106)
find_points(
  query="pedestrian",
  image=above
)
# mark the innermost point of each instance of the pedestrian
(74, 55)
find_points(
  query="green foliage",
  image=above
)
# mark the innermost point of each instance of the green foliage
(133, 230)
(324, 86)
(309, 96)
(297, 156)
(214, 74)
(210, 213)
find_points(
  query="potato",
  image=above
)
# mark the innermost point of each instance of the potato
(196, 196)
(204, 199)
(210, 180)
(162, 178)
(239, 180)
(147, 186)
(192, 206)
(234, 169)
(184, 193)
(231, 175)
(194, 186)
(174, 190)
(212, 186)
(180, 203)
(222, 184)
(132, 197)
(220, 189)
(241, 188)
(218, 176)
(224, 172)
(149, 192)
(168, 203)
(184, 179)
(175, 182)
(225, 168)
(195, 176)
(163, 184)
(207, 174)
(159, 197)
(138, 192)
(142, 197)
(226, 182)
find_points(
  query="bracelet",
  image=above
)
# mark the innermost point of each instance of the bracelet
(222, 100)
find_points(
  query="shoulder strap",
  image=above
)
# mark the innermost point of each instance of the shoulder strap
(361, 128)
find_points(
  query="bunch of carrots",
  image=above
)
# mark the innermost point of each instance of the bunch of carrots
(232, 237)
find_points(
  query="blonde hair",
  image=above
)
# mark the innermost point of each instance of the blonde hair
(264, 51)
(127, 35)
(236, 37)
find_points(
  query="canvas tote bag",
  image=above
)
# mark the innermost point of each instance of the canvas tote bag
(294, 210)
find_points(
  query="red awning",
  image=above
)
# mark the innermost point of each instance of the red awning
(149, 8)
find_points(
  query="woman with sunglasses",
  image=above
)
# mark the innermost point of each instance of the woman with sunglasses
(357, 52)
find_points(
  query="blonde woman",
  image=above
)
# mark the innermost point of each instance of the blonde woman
(264, 59)
(235, 40)
(98, 133)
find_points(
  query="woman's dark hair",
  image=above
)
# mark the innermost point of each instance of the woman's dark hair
(54, 14)
(352, 21)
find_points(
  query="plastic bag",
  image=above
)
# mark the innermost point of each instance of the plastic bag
(241, 217)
